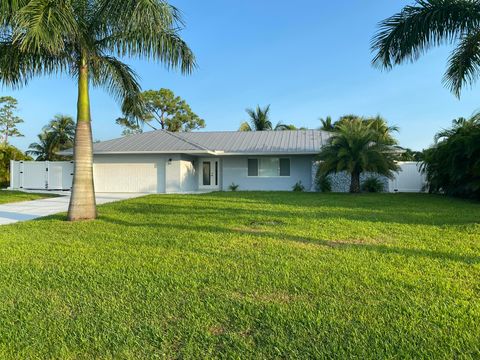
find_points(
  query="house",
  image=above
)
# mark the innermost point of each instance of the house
(165, 162)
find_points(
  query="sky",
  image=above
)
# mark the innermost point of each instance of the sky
(307, 59)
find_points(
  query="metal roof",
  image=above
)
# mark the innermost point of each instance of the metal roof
(217, 142)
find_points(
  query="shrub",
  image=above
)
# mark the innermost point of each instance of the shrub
(452, 165)
(373, 185)
(7, 153)
(298, 187)
(233, 187)
(323, 183)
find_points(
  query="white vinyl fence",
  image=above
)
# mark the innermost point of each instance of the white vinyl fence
(408, 179)
(41, 175)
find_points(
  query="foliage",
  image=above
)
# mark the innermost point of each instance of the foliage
(260, 121)
(130, 126)
(410, 33)
(235, 275)
(8, 119)
(452, 165)
(56, 136)
(233, 187)
(359, 145)
(160, 109)
(327, 124)
(373, 185)
(7, 153)
(323, 183)
(298, 187)
(411, 155)
(86, 40)
(8, 197)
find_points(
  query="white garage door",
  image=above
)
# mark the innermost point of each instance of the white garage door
(126, 177)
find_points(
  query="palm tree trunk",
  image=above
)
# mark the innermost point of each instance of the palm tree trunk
(82, 202)
(355, 182)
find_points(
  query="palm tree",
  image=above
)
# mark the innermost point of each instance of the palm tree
(408, 34)
(43, 150)
(259, 119)
(356, 147)
(327, 124)
(85, 39)
(57, 135)
(62, 130)
(452, 164)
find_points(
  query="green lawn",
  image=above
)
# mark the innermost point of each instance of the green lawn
(17, 196)
(246, 275)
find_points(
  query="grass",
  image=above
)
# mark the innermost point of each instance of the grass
(7, 196)
(246, 275)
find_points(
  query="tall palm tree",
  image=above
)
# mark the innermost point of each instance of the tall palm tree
(327, 124)
(355, 147)
(62, 130)
(44, 149)
(259, 119)
(84, 39)
(408, 34)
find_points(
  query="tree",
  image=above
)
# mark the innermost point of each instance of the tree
(56, 136)
(130, 126)
(260, 121)
(411, 155)
(160, 109)
(8, 120)
(356, 147)
(452, 165)
(62, 131)
(408, 34)
(85, 39)
(42, 150)
(7, 153)
(327, 124)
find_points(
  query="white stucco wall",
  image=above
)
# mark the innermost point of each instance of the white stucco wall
(188, 173)
(234, 170)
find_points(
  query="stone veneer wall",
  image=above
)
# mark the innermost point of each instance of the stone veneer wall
(341, 181)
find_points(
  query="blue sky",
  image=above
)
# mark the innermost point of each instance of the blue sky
(308, 59)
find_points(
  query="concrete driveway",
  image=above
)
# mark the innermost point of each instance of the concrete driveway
(28, 210)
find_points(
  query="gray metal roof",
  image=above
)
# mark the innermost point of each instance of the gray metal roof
(218, 142)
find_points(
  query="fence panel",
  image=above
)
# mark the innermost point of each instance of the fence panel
(41, 175)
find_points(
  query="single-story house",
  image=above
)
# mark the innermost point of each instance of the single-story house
(165, 162)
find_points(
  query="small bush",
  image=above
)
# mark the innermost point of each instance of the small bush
(233, 187)
(373, 185)
(323, 184)
(7, 153)
(298, 187)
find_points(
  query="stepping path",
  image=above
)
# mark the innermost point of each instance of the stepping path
(29, 210)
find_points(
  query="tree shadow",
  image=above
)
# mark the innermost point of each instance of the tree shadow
(335, 244)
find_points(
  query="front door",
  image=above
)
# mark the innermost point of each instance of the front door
(209, 174)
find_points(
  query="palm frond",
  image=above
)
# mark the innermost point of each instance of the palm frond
(42, 26)
(148, 29)
(18, 67)
(117, 77)
(407, 35)
(464, 63)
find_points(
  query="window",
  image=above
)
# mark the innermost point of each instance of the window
(252, 167)
(269, 167)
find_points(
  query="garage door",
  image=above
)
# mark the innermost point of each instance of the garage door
(126, 177)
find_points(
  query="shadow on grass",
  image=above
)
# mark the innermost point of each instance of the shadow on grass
(341, 245)
(408, 215)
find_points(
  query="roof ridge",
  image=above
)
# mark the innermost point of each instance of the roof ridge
(187, 141)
